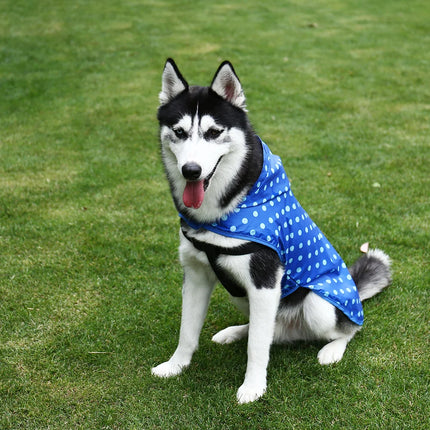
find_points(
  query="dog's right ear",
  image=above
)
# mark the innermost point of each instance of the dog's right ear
(172, 82)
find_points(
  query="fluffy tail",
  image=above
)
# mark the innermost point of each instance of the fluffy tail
(371, 273)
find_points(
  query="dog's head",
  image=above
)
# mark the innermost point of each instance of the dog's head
(203, 133)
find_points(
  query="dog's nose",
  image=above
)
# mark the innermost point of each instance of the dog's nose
(191, 171)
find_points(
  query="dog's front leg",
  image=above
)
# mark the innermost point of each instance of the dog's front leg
(263, 306)
(198, 285)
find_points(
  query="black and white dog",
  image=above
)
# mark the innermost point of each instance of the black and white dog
(241, 225)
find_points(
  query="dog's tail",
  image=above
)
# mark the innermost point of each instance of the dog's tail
(371, 273)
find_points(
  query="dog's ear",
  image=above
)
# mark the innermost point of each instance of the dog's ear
(227, 85)
(172, 82)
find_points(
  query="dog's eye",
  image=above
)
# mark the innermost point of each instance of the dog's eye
(180, 133)
(213, 133)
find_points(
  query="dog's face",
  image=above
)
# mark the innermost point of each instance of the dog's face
(202, 136)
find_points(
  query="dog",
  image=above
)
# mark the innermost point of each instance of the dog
(241, 225)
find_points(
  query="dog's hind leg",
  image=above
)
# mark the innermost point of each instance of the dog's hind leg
(333, 351)
(231, 334)
(234, 333)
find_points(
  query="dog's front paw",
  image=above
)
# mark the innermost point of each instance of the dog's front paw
(249, 393)
(167, 369)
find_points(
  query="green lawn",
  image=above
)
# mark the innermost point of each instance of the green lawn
(89, 276)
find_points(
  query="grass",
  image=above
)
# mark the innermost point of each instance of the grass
(90, 280)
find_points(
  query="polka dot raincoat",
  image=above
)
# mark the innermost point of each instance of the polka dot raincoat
(270, 215)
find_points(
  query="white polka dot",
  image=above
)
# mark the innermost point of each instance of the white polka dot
(255, 213)
(271, 220)
(268, 238)
(244, 220)
(264, 207)
(299, 269)
(233, 228)
(262, 226)
(252, 232)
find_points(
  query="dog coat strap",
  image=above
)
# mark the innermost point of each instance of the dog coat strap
(247, 248)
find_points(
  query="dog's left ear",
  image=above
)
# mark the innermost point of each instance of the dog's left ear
(172, 83)
(227, 85)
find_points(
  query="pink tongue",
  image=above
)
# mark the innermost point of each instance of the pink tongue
(193, 194)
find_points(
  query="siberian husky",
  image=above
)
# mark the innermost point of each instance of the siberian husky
(241, 225)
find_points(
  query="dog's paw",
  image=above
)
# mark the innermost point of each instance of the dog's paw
(332, 352)
(167, 369)
(249, 393)
(230, 334)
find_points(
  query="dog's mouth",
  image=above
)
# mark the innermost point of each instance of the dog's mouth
(194, 192)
